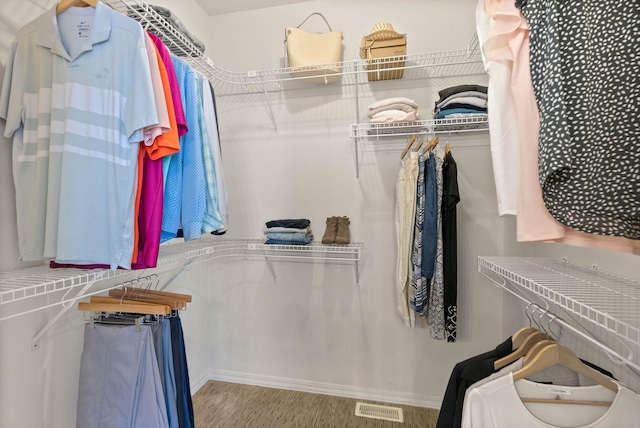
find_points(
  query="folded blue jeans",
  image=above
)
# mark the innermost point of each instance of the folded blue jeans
(293, 237)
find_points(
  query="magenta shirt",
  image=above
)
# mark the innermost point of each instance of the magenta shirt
(149, 214)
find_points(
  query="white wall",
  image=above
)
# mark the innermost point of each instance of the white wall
(311, 328)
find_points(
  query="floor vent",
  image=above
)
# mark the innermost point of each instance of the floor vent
(374, 411)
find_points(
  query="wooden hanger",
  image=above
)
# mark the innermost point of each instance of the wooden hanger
(108, 299)
(553, 354)
(409, 144)
(537, 347)
(151, 292)
(520, 335)
(66, 4)
(531, 339)
(447, 149)
(432, 144)
(124, 307)
(139, 295)
(420, 143)
(152, 283)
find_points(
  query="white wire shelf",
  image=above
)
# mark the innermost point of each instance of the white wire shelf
(463, 62)
(432, 126)
(21, 284)
(605, 300)
(314, 250)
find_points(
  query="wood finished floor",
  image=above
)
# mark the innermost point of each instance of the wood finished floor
(230, 405)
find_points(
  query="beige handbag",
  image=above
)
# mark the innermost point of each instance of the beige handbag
(313, 54)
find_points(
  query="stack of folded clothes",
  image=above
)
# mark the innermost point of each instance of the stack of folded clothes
(461, 101)
(391, 110)
(175, 48)
(289, 232)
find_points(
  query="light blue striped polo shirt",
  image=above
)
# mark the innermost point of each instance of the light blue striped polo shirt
(76, 123)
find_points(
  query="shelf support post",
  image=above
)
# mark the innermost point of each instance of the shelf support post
(355, 69)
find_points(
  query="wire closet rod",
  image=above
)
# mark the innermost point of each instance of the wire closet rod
(615, 356)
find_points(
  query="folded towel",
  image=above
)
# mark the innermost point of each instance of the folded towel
(389, 101)
(171, 17)
(395, 106)
(390, 116)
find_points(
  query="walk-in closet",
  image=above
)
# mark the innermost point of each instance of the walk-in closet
(447, 226)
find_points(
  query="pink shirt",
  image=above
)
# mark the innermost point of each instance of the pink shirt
(173, 82)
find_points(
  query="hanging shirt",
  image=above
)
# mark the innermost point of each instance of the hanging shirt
(507, 42)
(212, 218)
(450, 199)
(587, 87)
(430, 227)
(163, 125)
(149, 218)
(165, 55)
(497, 404)
(76, 121)
(185, 196)
(450, 413)
(418, 290)
(503, 121)
(216, 216)
(405, 211)
(435, 311)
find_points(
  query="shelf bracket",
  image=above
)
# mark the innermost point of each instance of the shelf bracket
(66, 305)
(270, 266)
(357, 273)
(270, 110)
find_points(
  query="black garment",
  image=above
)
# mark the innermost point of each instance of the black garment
(181, 373)
(586, 80)
(293, 223)
(454, 392)
(450, 198)
(470, 375)
(447, 92)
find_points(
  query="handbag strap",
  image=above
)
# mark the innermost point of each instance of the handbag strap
(319, 14)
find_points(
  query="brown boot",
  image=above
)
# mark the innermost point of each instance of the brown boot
(329, 236)
(342, 235)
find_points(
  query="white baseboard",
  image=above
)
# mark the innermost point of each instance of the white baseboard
(195, 385)
(394, 397)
